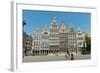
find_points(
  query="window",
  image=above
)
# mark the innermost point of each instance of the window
(34, 42)
(80, 38)
(80, 43)
(79, 34)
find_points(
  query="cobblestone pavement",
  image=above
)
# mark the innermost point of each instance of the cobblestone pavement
(54, 58)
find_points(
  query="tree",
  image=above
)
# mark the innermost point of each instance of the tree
(88, 43)
(24, 49)
(24, 23)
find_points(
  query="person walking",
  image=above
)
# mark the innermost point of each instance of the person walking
(66, 56)
(68, 53)
(72, 56)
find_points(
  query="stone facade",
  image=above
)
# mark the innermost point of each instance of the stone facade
(63, 38)
(45, 42)
(80, 40)
(36, 44)
(72, 46)
(57, 39)
(54, 37)
(27, 44)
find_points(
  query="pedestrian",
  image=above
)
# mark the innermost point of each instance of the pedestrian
(65, 56)
(72, 56)
(68, 53)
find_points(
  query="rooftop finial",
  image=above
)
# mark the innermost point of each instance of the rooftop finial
(79, 29)
(46, 28)
(71, 26)
(54, 18)
(38, 29)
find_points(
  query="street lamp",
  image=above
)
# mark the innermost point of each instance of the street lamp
(85, 47)
(75, 48)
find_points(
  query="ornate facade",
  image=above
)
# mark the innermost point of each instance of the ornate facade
(27, 44)
(45, 42)
(57, 39)
(63, 38)
(72, 46)
(36, 44)
(54, 37)
(80, 40)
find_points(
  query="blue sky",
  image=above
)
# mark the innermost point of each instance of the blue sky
(35, 18)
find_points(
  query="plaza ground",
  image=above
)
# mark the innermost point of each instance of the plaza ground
(54, 58)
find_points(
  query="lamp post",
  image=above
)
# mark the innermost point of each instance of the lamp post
(85, 47)
(75, 48)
